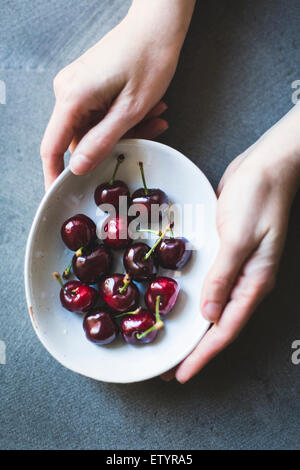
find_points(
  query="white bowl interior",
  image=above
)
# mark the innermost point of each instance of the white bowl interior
(61, 331)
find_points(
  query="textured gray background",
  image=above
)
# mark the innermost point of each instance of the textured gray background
(233, 82)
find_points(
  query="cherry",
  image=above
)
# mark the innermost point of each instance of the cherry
(110, 192)
(148, 197)
(172, 253)
(119, 293)
(78, 231)
(99, 327)
(116, 234)
(167, 289)
(92, 263)
(139, 260)
(137, 265)
(141, 326)
(76, 296)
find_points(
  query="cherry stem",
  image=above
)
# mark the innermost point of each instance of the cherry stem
(159, 324)
(126, 281)
(79, 251)
(66, 272)
(135, 312)
(143, 178)
(120, 159)
(58, 278)
(169, 227)
(158, 233)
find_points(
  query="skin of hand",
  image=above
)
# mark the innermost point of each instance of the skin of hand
(115, 88)
(254, 200)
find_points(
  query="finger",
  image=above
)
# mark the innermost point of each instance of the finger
(79, 134)
(157, 110)
(148, 129)
(56, 140)
(221, 278)
(100, 140)
(236, 314)
(169, 375)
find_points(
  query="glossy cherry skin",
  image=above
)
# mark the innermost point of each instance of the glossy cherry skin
(172, 253)
(154, 196)
(115, 232)
(78, 231)
(107, 193)
(119, 302)
(78, 297)
(168, 291)
(94, 263)
(99, 327)
(133, 324)
(135, 264)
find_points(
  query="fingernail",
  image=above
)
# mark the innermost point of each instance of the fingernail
(212, 311)
(80, 164)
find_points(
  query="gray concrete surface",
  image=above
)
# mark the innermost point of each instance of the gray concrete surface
(233, 82)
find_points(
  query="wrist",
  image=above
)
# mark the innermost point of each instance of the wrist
(277, 153)
(279, 168)
(161, 21)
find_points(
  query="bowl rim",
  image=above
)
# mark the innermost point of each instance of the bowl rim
(28, 256)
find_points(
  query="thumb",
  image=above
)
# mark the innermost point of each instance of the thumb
(221, 278)
(100, 140)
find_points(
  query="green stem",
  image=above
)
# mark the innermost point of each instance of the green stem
(120, 159)
(169, 227)
(58, 278)
(126, 281)
(143, 178)
(66, 272)
(158, 323)
(135, 312)
(171, 231)
(149, 231)
(157, 316)
(79, 251)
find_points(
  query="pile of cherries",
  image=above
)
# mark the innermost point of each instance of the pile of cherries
(115, 305)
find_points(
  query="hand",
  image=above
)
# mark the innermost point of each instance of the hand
(115, 87)
(255, 196)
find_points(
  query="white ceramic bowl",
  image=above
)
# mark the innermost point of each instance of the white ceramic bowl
(61, 331)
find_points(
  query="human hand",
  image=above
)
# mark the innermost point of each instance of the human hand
(115, 88)
(255, 196)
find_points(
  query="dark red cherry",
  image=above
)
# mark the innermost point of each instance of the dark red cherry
(92, 263)
(78, 231)
(119, 293)
(110, 192)
(99, 327)
(136, 265)
(115, 232)
(133, 325)
(148, 197)
(173, 253)
(167, 289)
(76, 296)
